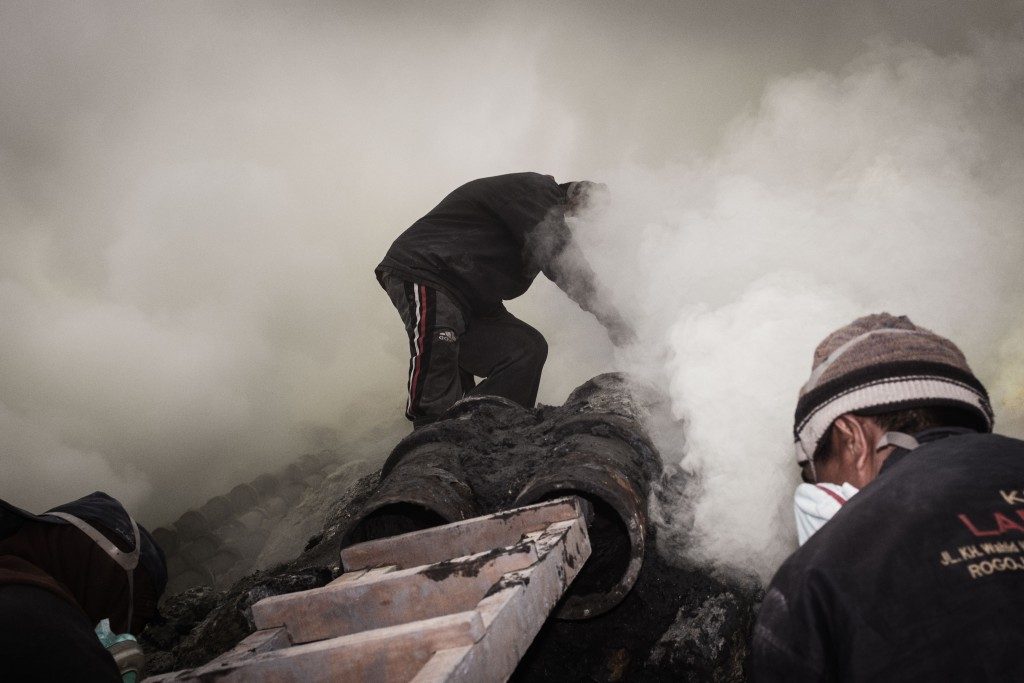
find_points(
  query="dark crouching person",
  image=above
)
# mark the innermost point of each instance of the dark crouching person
(450, 272)
(920, 575)
(64, 572)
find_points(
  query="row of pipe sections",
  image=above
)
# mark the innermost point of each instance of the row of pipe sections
(423, 484)
(219, 541)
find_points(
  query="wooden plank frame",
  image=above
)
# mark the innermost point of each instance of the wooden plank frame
(396, 597)
(469, 617)
(514, 614)
(386, 654)
(466, 537)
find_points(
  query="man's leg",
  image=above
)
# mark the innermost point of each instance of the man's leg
(434, 324)
(508, 353)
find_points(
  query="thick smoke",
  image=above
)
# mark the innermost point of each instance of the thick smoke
(894, 185)
(193, 197)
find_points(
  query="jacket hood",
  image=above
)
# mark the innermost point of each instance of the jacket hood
(104, 513)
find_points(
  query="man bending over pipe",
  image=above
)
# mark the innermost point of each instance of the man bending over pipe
(449, 274)
(920, 575)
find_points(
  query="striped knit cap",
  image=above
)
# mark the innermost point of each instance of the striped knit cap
(882, 363)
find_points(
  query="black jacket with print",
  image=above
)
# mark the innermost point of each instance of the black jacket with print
(487, 241)
(920, 576)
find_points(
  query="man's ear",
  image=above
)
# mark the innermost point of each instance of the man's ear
(854, 442)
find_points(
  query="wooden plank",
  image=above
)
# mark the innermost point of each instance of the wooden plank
(533, 572)
(391, 598)
(388, 654)
(267, 640)
(363, 575)
(458, 539)
(440, 666)
(514, 614)
(348, 576)
(256, 643)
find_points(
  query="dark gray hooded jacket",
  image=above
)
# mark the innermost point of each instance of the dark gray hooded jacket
(488, 240)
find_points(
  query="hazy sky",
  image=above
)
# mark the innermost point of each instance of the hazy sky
(193, 197)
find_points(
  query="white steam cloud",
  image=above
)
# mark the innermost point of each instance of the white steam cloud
(894, 186)
(193, 197)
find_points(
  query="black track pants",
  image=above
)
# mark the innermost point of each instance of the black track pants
(447, 350)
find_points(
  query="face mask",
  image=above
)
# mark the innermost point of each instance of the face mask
(815, 504)
(124, 649)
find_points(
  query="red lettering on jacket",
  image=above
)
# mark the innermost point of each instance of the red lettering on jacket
(975, 530)
(1002, 522)
(1006, 524)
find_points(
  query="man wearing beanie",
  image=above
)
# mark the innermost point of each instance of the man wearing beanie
(920, 575)
(450, 273)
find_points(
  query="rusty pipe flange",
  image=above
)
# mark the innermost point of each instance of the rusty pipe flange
(166, 539)
(216, 510)
(449, 433)
(243, 497)
(265, 485)
(612, 392)
(450, 428)
(609, 425)
(472, 404)
(618, 532)
(191, 522)
(427, 488)
(292, 474)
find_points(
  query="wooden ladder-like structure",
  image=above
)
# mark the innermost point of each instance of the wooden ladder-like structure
(459, 602)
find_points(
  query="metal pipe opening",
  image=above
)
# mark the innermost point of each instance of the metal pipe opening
(607, 473)
(426, 487)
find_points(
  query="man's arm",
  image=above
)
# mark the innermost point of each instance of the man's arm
(786, 647)
(569, 270)
(535, 213)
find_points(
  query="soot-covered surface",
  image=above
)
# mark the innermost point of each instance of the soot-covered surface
(678, 623)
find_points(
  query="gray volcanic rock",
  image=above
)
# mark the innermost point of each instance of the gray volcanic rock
(707, 641)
